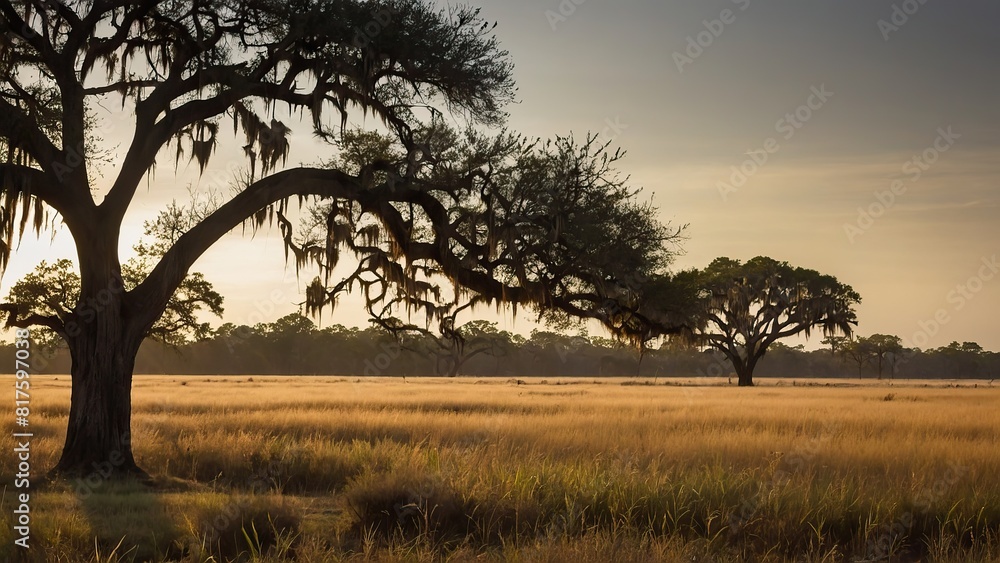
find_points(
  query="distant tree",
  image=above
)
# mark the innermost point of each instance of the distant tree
(743, 308)
(551, 351)
(859, 351)
(485, 335)
(972, 348)
(293, 338)
(450, 347)
(782, 360)
(293, 324)
(884, 347)
(836, 343)
(963, 359)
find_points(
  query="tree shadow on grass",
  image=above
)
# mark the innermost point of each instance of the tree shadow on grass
(127, 518)
(87, 519)
(174, 520)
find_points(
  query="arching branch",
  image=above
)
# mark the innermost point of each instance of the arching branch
(14, 319)
(154, 292)
(21, 132)
(12, 23)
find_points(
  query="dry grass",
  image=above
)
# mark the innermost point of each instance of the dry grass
(329, 469)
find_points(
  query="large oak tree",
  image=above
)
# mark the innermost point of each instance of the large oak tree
(742, 308)
(432, 214)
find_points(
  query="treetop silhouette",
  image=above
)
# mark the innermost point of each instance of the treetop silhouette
(427, 209)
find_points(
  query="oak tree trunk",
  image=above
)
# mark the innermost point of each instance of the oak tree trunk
(744, 371)
(103, 346)
(745, 378)
(98, 435)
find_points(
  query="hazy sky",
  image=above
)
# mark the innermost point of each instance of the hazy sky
(859, 138)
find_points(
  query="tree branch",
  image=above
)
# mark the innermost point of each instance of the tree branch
(34, 319)
(31, 181)
(102, 48)
(155, 291)
(151, 135)
(14, 24)
(120, 86)
(23, 132)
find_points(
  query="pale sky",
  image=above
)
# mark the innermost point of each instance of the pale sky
(840, 103)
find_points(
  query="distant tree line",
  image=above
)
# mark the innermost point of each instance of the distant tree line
(293, 345)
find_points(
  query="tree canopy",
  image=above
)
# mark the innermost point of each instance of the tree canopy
(508, 218)
(745, 307)
(435, 199)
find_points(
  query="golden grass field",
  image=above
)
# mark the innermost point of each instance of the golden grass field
(331, 469)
